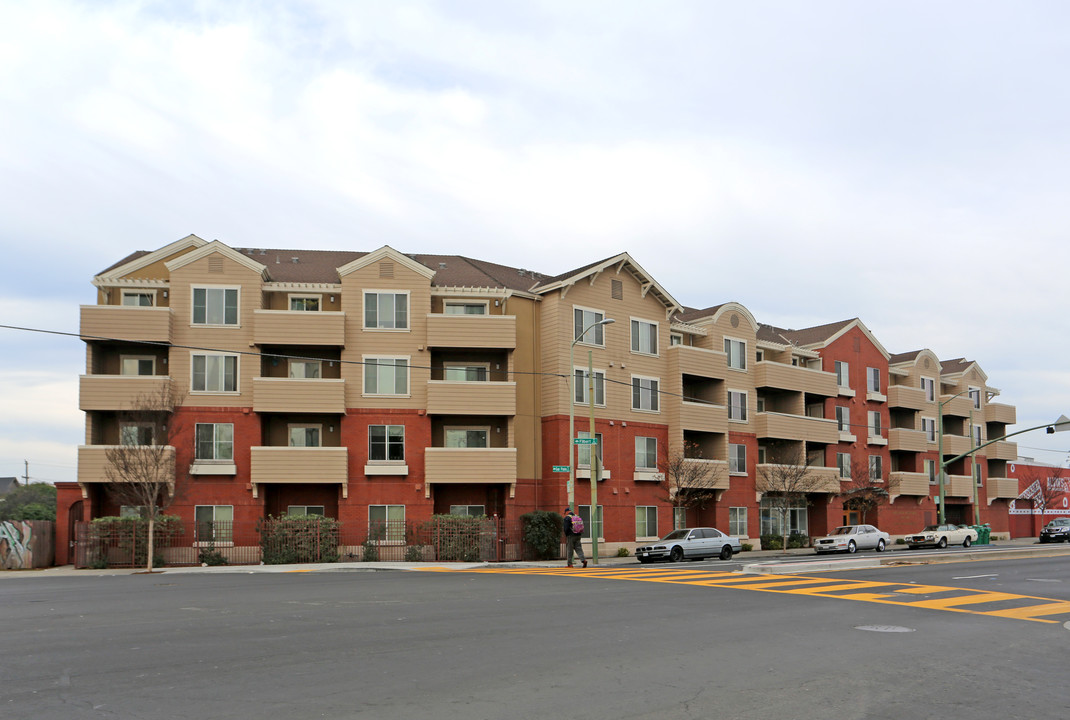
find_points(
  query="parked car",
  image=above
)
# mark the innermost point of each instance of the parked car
(941, 536)
(852, 538)
(690, 544)
(1055, 531)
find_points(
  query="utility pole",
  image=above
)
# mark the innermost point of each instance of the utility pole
(26, 477)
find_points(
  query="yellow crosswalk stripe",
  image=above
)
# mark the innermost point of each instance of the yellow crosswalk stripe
(1033, 611)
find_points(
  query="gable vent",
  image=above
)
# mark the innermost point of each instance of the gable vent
(386, 269)
(617, 290)
(215, 264)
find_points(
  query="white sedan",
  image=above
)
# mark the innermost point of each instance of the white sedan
(852, 538)
(941, 536)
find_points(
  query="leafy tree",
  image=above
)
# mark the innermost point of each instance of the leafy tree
(36, 501)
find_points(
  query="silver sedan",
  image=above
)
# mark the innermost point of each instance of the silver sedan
(852, 538)
(690, 544)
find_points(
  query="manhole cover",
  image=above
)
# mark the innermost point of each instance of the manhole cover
(884, 628)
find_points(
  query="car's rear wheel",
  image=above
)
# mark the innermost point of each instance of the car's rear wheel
(942, 544)
(851, 547)
(676, 554)
(966, 542)
(880, 545)
(726, 552)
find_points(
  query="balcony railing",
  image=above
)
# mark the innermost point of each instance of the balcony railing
(956, 444)
(299, 465)
(294, 327)
(1001, 450)
(959, 486)
(299, 395)
(904, 396)
(703, 417)
(699, 362)
(715, 476)
(795, 427)
(1001, 413)
(122, 392)
(959, 406)
(907, 440)
(470, 465)
(819, 479)
(93, 461)
(1002, 488)
(447, 397)
(908, 483)
(124, 322)
(792, 377)
(471, 331)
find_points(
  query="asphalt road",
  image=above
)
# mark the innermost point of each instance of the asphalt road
(525, 644)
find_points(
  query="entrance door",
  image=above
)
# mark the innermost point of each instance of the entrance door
(74, 516)
(851, 517)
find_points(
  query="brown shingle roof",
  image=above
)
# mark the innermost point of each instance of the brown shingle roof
(690, 314)
(817, 334)
(129, 258)
(904, 357)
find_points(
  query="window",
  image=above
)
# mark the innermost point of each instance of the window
(736, 350)
(386, 443)
(214, 522)
(584, 512)
(215, 373)
(930, 470)
(646, 521)
(583, 319)
(583, 452)
(644, 394)
(842, 374)
(876, 468)
(461, 372)
(737, 521)
(928, 426)
(456, 308)
(874, 424)
(737, 459)
(580, 383)
(873, 380)
(215, 306)
(774, 514)
(843, 418)
(386, 310)
(646, 453)
(977, 475)
(929, 386)
(386, 523)
(137, 365)
(133, 511)
(975, 396)
(843, 462)
(305, 303)
(644, 337)
(215, 441)
(737, 405)
(759, 355)
(977, 440)
(134, 298)
(304, 510)
(460, 437)
(305, 435)
(675, 339)
(679, 518)
(468, 510)
(386, 376)
(136, 434)
(306, 369)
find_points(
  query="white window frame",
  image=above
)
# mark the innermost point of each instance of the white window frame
(843, 418)
(653, 391)
(978, 435)
(291, 362)
(305, 508)
(929, 468)
(467, 428)
(394, 530)
(583, 452)
(733, 406)
(223, 373)
(125, 427)
(379, 324)
(151, 294)
(290, 427)
(676, 339)
(737, 521)
(978, 480)
(375, 360)
(928, 386)
(843, 374)
(928, 426)
(597, 331)
(217, 443)
(876, 461)
(139, 359)
(875, 424)
(648, 511)
(679, 518)
(447, 366)
(387, 444)
(873, 380)
(974, 393)
(735, 349)
(636, 326)
(455, 510)
(290, 297)
(208, 290)
(579, 380)
(843, 463)
(584, 511)
(647, 441)
(219, 538)
(465, 304)
(737, 459)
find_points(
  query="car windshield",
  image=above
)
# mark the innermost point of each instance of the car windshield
(932, 527)
(676, 535)
(847, 530)
(1060, 521)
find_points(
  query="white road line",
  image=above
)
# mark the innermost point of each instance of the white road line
(971, 577)
(1042, 580)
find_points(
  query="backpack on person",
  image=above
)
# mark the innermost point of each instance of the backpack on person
(577, 524)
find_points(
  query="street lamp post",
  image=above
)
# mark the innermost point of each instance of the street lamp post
(572, 427)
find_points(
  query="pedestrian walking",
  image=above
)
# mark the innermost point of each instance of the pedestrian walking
(573, 533)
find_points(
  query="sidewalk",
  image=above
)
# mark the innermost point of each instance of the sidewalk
(752, 557)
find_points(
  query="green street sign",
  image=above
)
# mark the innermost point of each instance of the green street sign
(585, 441)
(561, 468)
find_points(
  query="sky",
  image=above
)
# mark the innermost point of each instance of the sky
(900, 162)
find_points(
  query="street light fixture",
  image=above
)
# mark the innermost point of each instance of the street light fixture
(572, 430)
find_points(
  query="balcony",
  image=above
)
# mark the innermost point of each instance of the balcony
(959, 486)
(908, 483)
(907, 440)
(1002, 489)
(961, 406)
(703, 417)
(790, 377)
(956, 444)
(795, 427)
(1002, 450)
(700, 362)
(471, 331)
(446, 397)
(93, 461)
(904, 396)
(122, 392)
(296, 327)
(123, 322)
(295, 395)
(716, 477)
(299, 465)
(1001, 413)
(820, 479)
(470, 465)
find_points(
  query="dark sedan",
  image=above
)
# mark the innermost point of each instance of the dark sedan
(1058, 530)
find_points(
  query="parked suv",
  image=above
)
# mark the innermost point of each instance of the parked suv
(1058, 530)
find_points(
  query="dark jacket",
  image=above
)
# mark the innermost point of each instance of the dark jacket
(568, 527)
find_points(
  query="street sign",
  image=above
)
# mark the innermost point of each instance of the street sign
(585, 441)
(561, 468)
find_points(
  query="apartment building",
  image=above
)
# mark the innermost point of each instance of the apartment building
(387, 386)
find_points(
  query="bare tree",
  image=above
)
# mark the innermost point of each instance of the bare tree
(141, 468)
(786, 484)
(864, 493)
(690, 479)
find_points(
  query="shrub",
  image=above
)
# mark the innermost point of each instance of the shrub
(460, 538)
(623, 552)
(129, 538)
(414, 553)
(771, 542)
(542, 533)
(298, 539)
(900, 541)
(369, 551)
(747, 547)
(798, 540)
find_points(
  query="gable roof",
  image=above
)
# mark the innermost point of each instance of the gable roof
(7, 484)
(143, 258)
(623, 263)
(216, 247)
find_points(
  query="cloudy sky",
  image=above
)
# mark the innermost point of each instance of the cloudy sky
(901, 162)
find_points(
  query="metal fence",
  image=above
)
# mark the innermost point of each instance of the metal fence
(299, 540)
